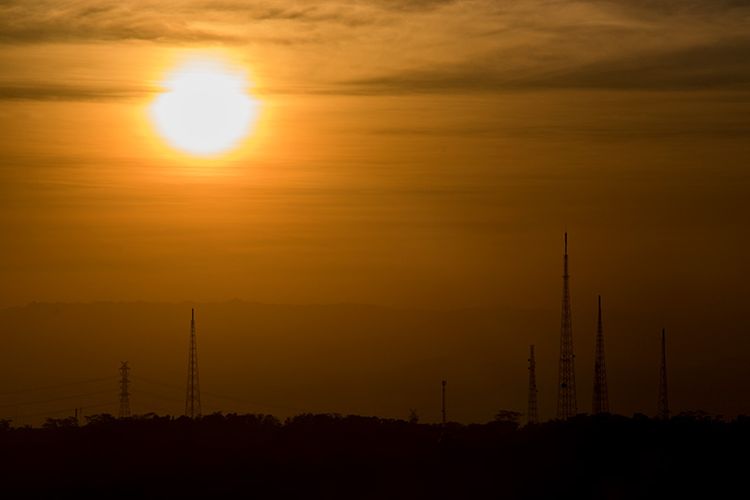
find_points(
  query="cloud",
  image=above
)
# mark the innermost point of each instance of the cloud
(224, 21)
(610, 44)
(722, 65)
(411, 5)
(43, 21)
(416, 46)
(54, 92)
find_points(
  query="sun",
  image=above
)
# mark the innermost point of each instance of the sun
(205, 109)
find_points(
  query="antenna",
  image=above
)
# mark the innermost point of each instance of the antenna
(600, 402)
(532, 416)
(193, 396)
(663, 403)
(124, 393)
(566, 396)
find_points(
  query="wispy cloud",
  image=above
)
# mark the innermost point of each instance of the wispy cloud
(418, 46)
(227, 21)
(609, 45)
(43, 21)
(56, 92)
(720, 65)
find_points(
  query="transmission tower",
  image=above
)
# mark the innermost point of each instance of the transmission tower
(663, 405)
(601, 394)
(444, 383)
(124, 393)
(193, 396)
(532, 416)
(566, 397)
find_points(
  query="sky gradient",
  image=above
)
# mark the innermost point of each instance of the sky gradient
(408, 153)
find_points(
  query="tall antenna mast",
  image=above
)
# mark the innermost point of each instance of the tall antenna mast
(601, 394)
(532, 416)
(193, 396)
(663, 404)
(124, 393)
(443, 401)
(566, 396)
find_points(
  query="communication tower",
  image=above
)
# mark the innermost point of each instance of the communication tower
(193, 396)
(566, 396)
(601, 394)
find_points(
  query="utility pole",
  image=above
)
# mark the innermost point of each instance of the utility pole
(566, 396)
(193, 396)
(124, 392)
(444, 383)
(663, 403)
(600, 402)
(532, 416)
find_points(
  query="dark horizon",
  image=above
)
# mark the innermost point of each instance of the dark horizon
(329, 456)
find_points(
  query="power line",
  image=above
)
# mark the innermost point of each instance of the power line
(57, 412)
(155, 382)
(159, 396)
(56, 386)
(253, 403)
(59, 398)
(218, 396)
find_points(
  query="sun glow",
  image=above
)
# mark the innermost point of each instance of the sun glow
(205, 109)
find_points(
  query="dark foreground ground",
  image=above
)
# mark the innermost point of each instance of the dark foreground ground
(325, 456)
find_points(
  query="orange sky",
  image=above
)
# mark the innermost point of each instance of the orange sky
(408, 153)
(427, 152)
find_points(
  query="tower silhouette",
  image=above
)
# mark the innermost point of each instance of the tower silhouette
(124, 392)
(444, 383)
(600, 402)
(566, 396)
(663, 404)
(532, 416)
(193, 396)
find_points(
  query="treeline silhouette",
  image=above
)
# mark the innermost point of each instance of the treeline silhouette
(333, 456)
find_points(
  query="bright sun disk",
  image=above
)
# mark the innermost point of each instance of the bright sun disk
(205, 110)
